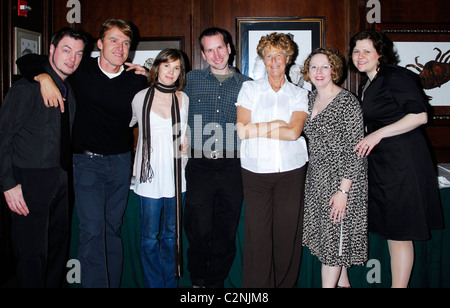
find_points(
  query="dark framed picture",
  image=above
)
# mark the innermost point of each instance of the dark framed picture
(307, 32)
(425, 50)
(25, 42)
(148, 48)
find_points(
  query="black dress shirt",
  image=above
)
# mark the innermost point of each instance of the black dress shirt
(29, 131)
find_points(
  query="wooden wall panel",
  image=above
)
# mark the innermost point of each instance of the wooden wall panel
(333, 11)
(188, 18)
(415, 11)
(153, 18)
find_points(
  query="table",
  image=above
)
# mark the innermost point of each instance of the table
(431, 269)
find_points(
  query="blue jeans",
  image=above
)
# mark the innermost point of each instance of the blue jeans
(158, 242)
(101, 186)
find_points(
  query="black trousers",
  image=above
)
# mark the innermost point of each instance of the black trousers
(40, 239)
(273, 228)
(212, 210)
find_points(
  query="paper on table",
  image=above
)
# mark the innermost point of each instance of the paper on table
(444, 175)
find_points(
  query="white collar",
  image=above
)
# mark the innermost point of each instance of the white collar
(110, 75)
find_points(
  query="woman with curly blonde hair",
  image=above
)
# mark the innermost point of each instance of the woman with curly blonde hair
(270, 117)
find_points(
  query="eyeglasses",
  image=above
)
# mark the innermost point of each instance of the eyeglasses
(323, 67)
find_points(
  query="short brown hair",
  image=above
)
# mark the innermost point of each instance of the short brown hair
(336, 62)
(169, 55)
(279, 41)
(123, 26)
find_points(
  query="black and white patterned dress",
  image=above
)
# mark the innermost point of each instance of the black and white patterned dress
(332, 136)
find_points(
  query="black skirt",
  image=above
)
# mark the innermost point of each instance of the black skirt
(404, 201)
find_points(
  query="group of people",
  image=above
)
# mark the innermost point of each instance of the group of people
(364, 165)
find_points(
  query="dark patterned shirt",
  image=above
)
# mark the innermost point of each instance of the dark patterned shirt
(212, 110)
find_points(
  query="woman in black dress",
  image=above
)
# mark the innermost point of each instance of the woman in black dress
(404, 200)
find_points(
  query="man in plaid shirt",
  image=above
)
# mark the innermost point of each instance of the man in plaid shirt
(214, 185)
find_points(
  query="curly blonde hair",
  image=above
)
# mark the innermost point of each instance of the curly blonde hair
(278, 41)
(336, 62)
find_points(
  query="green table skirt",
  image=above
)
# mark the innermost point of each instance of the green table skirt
(431, 268)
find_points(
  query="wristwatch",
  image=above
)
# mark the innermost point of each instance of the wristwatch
(343, 191)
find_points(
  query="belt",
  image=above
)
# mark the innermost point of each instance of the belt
(214, 154)
(86, 152)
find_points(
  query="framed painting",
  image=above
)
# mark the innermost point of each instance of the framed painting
(425, 50)
(25, 42)
(307, 32)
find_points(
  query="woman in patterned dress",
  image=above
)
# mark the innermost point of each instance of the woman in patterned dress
(335, 221)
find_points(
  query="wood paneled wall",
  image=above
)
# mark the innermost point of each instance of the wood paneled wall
(187, 18)
(153, 18)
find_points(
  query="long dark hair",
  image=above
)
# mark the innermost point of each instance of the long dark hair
(383, 45)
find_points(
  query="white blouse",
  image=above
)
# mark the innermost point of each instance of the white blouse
(263, 155)
(161, 158)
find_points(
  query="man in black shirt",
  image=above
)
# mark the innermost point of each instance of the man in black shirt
(102, 144)
(34, 169)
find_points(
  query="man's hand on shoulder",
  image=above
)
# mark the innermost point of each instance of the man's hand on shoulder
(50, 92)
(138, 69)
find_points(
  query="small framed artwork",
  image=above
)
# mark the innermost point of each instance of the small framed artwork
(307, 32)
(425, 50)
(25, 42)
(148, 48)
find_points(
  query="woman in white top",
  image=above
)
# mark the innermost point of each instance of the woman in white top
(270, 118)
(161, 113)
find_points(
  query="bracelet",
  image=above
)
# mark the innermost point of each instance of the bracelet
(343, 191)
